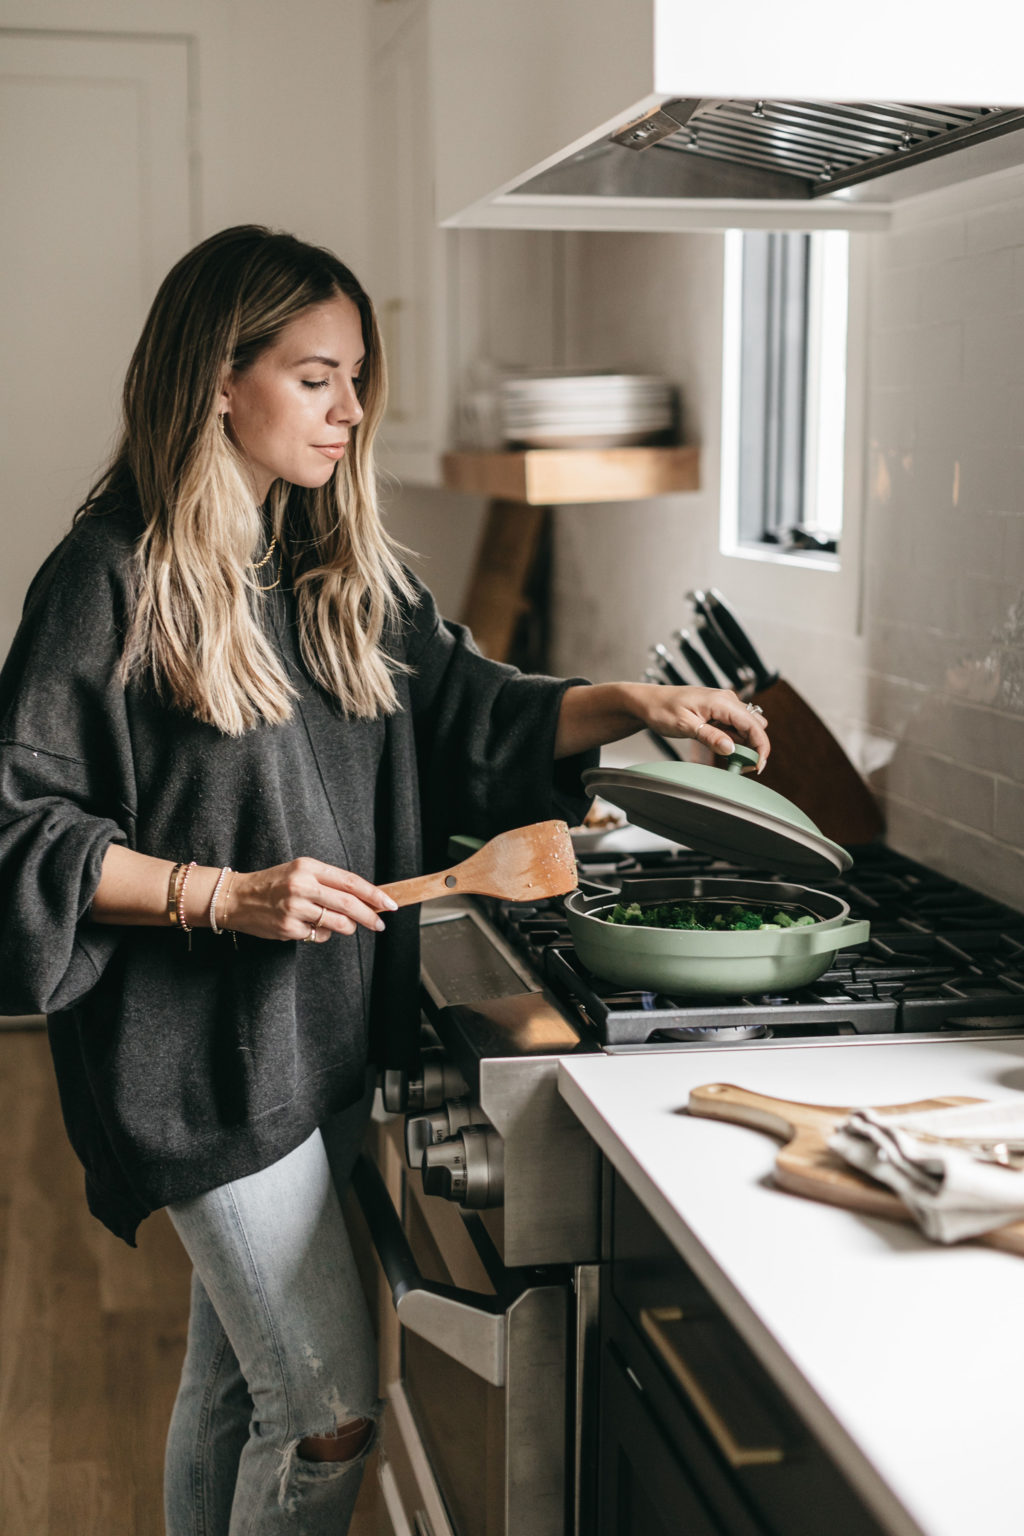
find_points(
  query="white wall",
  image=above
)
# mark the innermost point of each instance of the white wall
(280, 107)
(276, 102)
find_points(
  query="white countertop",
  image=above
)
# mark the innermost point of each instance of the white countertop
(906, 1357)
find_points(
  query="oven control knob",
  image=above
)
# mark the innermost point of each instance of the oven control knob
(422, 1131)
(444, 1170)
(468, 1169)
(435, 1082)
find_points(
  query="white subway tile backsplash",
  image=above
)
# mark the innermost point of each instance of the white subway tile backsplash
(892, 416)
(964, 795)
(989, 482)
(981, 605)
(941, 290)
(1009, 812)
(1018, 278)
(989, 283)
(894, 358)
(994, 348)
(972, 414)
(1008, 747)
(983, 283)
(899, 298)
(964, 854)
(909, 650)
(920, 245)
(994, 228)
(937, 353)
(1013, 543)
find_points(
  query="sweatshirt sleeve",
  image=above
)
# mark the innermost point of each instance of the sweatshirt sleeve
(485, 737)
(66, 789)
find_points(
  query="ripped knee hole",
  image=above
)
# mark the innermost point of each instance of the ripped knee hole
(344, 1444)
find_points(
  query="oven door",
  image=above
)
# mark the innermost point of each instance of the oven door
(484, 1382)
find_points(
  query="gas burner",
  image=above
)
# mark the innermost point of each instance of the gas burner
(719, 1034)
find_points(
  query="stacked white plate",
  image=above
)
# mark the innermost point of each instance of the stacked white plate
(590, 410)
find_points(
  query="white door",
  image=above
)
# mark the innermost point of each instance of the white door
(94, 208)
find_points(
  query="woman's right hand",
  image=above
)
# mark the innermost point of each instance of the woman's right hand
(289, 901)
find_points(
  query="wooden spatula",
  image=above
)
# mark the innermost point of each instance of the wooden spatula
(806, 1166)
(526, 864)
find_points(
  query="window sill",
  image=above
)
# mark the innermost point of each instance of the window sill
(808, 559)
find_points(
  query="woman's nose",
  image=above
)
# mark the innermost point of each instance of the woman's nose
(347, 408)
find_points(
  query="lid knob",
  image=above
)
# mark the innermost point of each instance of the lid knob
(740, 757)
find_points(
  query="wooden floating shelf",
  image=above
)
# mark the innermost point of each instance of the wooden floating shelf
(549, 477)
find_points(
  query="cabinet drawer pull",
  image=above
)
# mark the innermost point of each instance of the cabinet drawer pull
(653, 1320)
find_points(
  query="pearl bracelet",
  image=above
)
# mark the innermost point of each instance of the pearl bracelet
(182, 924)
(227, 870)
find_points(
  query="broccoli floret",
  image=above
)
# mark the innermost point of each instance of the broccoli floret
(706, 917)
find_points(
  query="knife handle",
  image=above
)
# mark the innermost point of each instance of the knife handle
(667, 666)
(722, 654)
(738, 638)
(701, 666)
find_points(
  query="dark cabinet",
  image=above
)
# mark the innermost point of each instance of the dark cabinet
(695, 1439)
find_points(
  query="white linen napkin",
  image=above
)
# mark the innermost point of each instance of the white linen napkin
(951, 1191)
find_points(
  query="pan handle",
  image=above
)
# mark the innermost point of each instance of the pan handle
(815, 941)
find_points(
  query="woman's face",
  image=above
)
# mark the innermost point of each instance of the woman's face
(292, 412)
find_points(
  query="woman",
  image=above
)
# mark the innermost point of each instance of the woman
(231, 714)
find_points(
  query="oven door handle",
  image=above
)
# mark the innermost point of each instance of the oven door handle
(469, 1327)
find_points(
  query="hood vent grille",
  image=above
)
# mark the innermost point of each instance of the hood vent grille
(824, 146)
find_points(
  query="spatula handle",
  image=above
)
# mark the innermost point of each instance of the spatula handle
(424, 887)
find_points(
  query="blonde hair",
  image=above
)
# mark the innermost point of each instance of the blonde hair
(195, 629)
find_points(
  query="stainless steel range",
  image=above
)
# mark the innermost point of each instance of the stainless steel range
(484, 1202)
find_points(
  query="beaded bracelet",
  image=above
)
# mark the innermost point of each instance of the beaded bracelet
(227, 870)
(182, 924)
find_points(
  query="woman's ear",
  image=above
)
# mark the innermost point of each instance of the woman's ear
(224, 398)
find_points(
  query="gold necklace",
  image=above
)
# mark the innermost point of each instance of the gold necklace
(257, 565)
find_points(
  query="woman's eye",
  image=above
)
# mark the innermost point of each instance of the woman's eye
(315, 383)
(357, 383)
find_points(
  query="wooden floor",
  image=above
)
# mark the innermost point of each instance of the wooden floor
(92, 1333)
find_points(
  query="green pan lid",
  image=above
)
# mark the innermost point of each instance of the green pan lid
(719, 811)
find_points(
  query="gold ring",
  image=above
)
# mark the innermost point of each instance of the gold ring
(320, 919)
(310, 937)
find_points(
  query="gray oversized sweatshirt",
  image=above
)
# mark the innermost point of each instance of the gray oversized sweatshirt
(181, 1069)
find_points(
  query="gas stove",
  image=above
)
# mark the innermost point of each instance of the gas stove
(505, 994)
(940, 957)
(485, 1128)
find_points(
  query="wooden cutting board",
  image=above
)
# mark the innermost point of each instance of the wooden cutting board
(806, 1166)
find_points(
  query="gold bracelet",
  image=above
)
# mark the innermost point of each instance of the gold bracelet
(172, 895)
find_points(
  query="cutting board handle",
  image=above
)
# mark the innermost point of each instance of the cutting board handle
(779, 1117)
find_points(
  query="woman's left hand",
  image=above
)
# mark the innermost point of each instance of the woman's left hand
(701, 714)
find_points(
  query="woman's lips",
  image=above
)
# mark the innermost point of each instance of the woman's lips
(330, 450)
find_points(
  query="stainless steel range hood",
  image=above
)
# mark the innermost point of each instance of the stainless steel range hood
(791, 150)
(672, 115)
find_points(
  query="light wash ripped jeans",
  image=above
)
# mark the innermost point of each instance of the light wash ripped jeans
(280, 1348)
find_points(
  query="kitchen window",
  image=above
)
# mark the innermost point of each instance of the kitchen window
(784, 394)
